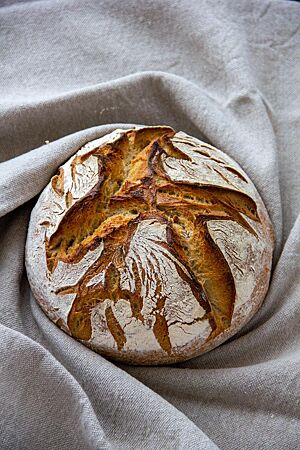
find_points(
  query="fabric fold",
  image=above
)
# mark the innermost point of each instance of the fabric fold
(225, 72)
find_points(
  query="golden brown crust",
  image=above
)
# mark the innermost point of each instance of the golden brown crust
(133, 187)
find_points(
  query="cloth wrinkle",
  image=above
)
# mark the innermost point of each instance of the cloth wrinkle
(225, 72)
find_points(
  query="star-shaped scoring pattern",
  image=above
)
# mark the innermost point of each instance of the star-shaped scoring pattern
(133, 186)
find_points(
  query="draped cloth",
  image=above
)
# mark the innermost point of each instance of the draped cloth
(225, 72)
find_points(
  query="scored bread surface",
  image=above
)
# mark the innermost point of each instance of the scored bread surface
(149, 246)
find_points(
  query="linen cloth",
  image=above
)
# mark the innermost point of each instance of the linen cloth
(227, 72)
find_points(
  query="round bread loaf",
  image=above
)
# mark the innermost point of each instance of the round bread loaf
(149, 246)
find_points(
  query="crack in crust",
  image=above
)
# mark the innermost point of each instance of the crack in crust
(133, 186)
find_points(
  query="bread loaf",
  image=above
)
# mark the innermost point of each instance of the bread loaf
(149, 246)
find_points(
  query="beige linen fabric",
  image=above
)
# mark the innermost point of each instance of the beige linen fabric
(227, 72)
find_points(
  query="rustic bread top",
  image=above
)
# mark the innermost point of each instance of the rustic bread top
(149, 246)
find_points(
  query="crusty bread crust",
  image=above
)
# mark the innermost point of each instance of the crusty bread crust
(149, 246)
